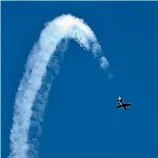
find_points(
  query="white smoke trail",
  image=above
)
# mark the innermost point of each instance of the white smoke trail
(34, 87)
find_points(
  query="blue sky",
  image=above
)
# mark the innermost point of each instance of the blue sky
(80, 118)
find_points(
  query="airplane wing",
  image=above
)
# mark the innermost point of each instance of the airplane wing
(127, 104)
(118, 106)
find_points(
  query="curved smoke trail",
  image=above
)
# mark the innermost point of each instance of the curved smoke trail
(37, 80)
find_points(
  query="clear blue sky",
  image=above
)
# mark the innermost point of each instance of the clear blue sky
(80, 118)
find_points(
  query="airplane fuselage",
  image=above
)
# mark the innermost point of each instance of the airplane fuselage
(121, 102)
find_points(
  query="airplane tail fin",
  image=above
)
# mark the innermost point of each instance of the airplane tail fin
(119, 98)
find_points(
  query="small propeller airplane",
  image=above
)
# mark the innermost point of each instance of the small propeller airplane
(122, 105)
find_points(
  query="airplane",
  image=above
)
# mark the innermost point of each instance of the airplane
(122, 105)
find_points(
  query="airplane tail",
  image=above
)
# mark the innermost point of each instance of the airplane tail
(119, 99)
